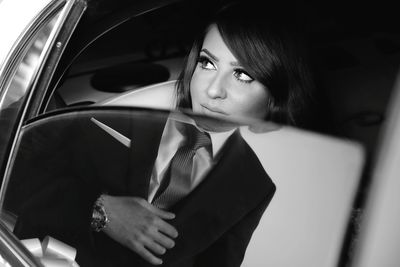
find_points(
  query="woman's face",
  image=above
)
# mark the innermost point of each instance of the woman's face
(221, 87)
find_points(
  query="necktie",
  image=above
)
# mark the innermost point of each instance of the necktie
(179, 172)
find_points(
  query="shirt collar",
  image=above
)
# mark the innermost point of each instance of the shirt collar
(217, 138)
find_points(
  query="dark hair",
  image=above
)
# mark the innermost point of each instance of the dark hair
(269, 45)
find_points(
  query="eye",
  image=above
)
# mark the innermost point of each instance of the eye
(242, 76)
(206, 63)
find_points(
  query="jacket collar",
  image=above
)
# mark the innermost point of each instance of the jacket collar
(206, 214)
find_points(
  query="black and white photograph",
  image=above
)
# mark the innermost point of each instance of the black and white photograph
(199, 133)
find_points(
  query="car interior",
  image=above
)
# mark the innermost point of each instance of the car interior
(352, 59)
(355, 64)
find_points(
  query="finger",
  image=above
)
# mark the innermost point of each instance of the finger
(155, 247)
(161, 213)
(147, 255)
(167, 229)
(163, 240)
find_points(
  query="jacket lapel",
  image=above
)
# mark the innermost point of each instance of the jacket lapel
(234, 187)
(145, 141)
(109, 157)
(125, 170)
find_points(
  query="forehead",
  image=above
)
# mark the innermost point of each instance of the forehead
(214, 43)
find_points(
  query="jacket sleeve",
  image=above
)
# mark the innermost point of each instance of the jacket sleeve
(48, 191)
(230, 248)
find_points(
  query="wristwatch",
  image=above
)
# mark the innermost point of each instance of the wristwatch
(99, 215)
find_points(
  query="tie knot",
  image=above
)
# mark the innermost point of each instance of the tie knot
(196, 138)
(201, 139)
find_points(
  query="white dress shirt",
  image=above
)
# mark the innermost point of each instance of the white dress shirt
(171, 140)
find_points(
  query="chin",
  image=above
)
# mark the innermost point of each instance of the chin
(215, 125)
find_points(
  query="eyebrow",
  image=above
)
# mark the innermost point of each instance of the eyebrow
(213, 57)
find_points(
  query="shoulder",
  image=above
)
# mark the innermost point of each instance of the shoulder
(248, 163)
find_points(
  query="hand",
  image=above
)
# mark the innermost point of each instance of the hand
(140, 226)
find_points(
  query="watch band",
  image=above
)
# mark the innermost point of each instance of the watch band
(99, 215)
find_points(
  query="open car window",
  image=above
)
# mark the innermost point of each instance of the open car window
(65, 159)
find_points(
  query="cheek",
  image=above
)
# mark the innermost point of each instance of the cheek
(260, 107)
(253, 105)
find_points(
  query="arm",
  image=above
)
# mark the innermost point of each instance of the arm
(230, 248)
(62, 174)
(134, 223)
(54, 195)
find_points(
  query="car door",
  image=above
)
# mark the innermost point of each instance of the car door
(29, 65)
(28, 61)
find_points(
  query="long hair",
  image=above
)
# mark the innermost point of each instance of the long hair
(271, 48)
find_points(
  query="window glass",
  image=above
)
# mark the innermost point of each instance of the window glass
(64, 161)
(17, 87)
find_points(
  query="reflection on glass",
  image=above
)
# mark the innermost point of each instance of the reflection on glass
(11, 97)
(67, 161)
(208, 179)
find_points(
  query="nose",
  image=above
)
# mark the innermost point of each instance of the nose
(217, 87)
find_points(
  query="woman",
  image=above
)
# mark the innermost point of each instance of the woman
(242, 66)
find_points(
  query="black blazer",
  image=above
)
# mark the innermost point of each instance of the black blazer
(215, 222)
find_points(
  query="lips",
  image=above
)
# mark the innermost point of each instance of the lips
(214, 110)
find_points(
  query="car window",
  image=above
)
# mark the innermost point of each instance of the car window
(64, 159)
(16, 84)
(120, 61)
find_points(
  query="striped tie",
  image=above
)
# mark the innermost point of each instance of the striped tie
(180, 170)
